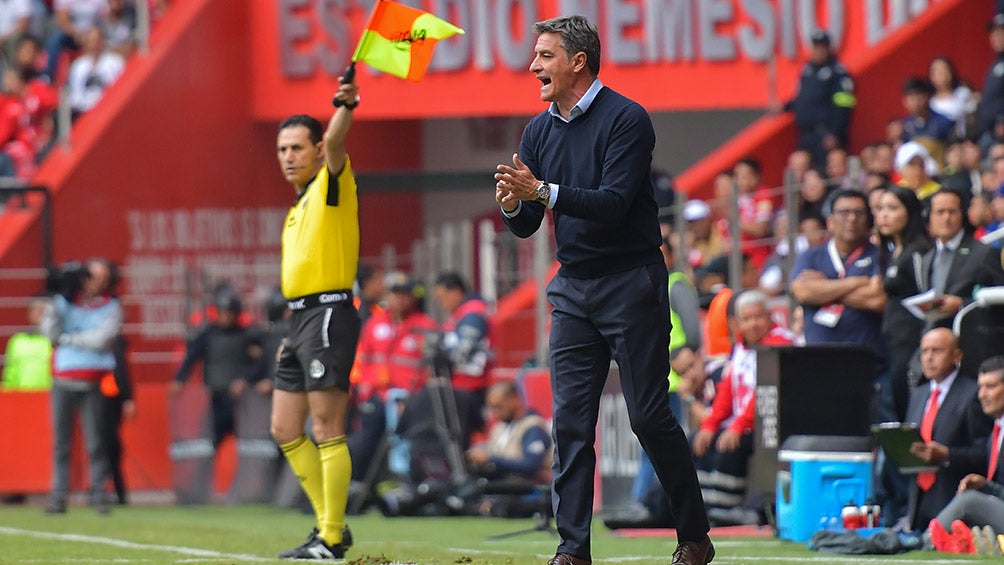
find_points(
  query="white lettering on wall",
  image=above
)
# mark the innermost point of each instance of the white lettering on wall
(176, 255)
(314, 35)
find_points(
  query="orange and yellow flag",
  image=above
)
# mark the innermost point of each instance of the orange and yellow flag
(399, 39)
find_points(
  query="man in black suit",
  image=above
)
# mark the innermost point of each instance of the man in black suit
(954, 267)
(952, 423)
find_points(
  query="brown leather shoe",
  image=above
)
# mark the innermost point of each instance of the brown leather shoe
(694, 552)
(567, 559)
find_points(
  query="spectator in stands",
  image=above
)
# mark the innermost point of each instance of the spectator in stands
(980, 498)
(824, 101)
(951, 97)
(92, 72)
(954, 267)
(953, 427)
(812, 194)
(997, 207)
(810, 232)
(229, 352)
(15, 17)
(916, 167)
(28, 358)
(82, 325)
(921, 122)
(724, 443)
(756, 210)
(120, 27)
(28, 56)
(981, 214)
(466, 340)
(702, 239)
(799, 162)
(18, 139)
(721, 206)
(837, 170)
(991, 108)
(839, 284)
(962, 166)
(900, 228)
(73, 20)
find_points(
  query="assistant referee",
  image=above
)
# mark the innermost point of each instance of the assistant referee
(320, 253)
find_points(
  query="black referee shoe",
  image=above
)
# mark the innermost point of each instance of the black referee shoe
(291, 553)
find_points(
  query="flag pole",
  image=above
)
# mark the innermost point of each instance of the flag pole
(348, 76)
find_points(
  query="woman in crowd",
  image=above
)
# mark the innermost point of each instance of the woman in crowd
(951, 98)
(900, 226)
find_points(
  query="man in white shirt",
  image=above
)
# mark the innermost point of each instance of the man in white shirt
(92, 72)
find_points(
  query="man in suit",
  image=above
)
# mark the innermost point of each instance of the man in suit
(980, 498)
(954, 267)
(588, 158)
(953, 426)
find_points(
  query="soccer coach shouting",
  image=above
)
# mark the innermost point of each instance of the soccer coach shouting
(588, 158)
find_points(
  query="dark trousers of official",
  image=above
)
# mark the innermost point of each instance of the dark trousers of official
(111, 421)
(626, 316)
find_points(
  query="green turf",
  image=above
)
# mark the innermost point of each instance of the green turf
(217, 534)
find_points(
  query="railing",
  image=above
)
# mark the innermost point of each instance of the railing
(15, 194)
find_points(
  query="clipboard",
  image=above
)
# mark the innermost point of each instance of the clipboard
(895, 439)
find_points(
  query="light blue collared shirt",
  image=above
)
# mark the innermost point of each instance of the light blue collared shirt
(580, 108)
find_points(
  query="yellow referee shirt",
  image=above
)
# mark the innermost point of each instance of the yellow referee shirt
(320, 239)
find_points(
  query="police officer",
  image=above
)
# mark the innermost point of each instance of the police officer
(824, 101)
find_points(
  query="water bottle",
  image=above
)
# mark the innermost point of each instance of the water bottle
(871, 512)
(851, 516)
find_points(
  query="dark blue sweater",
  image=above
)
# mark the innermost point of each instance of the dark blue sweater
(605, 215)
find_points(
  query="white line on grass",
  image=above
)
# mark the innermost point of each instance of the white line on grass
(193, 551)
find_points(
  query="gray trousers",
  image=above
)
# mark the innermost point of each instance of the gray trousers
(67, 400)
(975, 508)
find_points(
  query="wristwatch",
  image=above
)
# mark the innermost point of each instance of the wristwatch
(543, 193)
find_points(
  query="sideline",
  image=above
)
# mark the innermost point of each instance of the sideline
(192, 551)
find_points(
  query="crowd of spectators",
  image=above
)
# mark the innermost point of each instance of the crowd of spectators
(903, 218)
(47, 46)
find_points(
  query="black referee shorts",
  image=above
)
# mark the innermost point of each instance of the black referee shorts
(320, 349)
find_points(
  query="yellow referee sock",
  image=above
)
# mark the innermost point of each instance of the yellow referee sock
(305, 460)
(336, 467)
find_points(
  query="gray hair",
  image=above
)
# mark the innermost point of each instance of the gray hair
(577, 36)
(750, 298)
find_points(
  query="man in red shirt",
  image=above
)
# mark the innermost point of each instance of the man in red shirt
(725, 440)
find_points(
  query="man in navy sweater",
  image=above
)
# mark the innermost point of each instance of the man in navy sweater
(588, 158)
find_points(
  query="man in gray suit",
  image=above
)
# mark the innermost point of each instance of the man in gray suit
(954, 267)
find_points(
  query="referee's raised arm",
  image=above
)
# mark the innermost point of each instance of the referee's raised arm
(338, 126)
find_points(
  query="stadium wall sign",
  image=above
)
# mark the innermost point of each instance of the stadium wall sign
(695, 51)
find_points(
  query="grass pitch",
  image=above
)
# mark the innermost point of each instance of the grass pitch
(253, 534)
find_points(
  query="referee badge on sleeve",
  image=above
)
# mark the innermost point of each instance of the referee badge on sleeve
(316, 369)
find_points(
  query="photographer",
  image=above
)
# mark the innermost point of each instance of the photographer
(82, 322)
(465, 336)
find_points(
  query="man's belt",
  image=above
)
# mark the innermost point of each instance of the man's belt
(320, 299)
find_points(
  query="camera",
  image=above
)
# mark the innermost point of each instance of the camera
(66, 279)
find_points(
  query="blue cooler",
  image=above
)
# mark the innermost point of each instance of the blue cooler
(816, 477)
